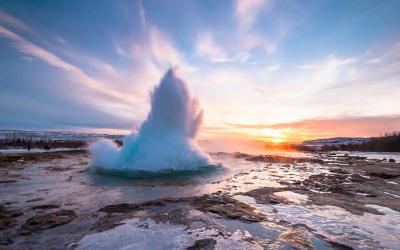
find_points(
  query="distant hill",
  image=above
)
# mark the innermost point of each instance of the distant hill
(386, 143)
(9, 135)
(46, 140)
(336, 141)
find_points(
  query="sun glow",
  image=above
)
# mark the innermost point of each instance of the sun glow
(268, 135)
(277, 140)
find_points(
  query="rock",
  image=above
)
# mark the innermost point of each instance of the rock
(45, 206)
(341, 189)
(35, 199)
(339, 246)
(227, 207)
(132, 207)
(8, 180)
(119, 208)
(240, 155)
(314, 160)
(40, 222)
(357, 178)
(265, 195)
(261, 158)
(339, 171)
(175, 216)
(324, 182)
(203, 244)
(248, 183)
(7, 217)
(384, 175)
(298, 239)
(58, 168)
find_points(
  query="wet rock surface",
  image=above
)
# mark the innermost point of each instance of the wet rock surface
(228, 207)
(50, 201)
(45, 206)
(40, 222)
(204, 244)
(7, 217)
(298, 239)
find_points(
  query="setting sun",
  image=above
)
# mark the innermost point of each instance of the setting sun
(277, 140)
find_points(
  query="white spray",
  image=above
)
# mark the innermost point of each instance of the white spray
(165, 141)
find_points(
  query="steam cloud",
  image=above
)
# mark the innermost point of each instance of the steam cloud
(165, 141)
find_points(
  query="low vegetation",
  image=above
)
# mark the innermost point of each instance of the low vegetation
(386, 143)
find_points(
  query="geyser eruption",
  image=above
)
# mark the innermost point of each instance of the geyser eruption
(165, 141)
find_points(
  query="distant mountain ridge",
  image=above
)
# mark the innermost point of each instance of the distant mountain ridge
(336, 141)
(389, 142)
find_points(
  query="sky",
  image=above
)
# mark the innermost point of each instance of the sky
(262, 69)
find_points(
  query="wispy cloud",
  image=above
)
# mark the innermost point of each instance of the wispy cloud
(162, 48)
(363, 126)
(61, 40)
(142, 14)
(331, 63)
(374, 60)
(206, 47)
(27, 58)
(75, 73)
(385, 56)
(247, 11)
(7, 19)
(272, 68)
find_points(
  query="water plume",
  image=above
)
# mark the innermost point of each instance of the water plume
(165, 141)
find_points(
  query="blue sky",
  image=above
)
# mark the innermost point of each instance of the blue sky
(256, 66)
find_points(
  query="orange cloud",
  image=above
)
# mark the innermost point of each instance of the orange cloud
(333, 127)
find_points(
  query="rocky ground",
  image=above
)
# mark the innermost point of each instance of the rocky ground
(327, 201)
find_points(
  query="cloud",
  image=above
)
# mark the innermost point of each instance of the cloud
(61, 40)
(10, 20)
(74, 72)
(364, 126)
(162, 49)
(156, 47)
(272, 68)
(331, 63)
(119, 50)
(393, 53)
(246, 12)
(347, 126)
(27, 58)
(156, 51)
(375, 60)
(206, 47)
(142, 14)
(325, 73)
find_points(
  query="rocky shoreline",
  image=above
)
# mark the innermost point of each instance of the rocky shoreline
(217, 217)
